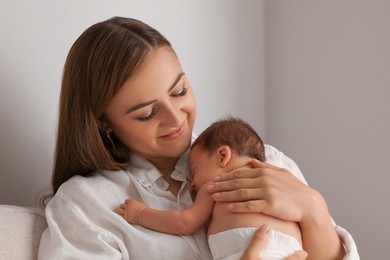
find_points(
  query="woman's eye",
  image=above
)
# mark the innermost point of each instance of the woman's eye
(180, 93)
(149, 116)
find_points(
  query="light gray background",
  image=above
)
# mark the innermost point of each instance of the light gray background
(313, 77)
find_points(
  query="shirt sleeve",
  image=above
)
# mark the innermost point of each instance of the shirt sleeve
(276, 157)
(65, 238)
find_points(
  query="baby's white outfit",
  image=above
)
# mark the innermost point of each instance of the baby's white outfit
(231, 244)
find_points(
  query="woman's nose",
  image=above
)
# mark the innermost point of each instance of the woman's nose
(173, 114)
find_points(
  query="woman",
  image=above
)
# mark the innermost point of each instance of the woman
(126, 117)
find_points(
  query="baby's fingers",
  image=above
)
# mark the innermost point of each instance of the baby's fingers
(120, 211)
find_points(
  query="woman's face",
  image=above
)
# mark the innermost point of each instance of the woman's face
(153, 113)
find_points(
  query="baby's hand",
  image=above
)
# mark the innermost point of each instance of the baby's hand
(130, 210)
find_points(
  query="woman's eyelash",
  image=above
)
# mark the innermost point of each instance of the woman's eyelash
(182, 92)
(148, 117)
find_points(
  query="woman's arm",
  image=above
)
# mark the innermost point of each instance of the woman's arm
(69, 234)
(169, 221)
(275, 191)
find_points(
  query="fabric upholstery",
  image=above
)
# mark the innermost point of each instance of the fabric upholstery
(20, 232)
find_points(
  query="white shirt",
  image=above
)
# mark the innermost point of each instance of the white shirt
(82, 223)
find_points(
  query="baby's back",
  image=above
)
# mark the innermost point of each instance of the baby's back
(222, 220)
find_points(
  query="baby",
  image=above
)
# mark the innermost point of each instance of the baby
(224, 146)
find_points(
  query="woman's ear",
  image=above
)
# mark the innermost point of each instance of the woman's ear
(224, 154)
(104, 126)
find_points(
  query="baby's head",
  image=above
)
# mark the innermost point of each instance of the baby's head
(212, 149)
(235, 133)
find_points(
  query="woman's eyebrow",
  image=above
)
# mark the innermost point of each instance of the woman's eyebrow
(177, 80)
(138, 106)
(144, 104)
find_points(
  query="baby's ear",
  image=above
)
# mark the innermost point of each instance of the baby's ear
(224, 154)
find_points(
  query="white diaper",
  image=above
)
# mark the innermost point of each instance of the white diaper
(230, 244)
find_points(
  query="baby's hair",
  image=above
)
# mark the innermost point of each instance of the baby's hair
(235, 133)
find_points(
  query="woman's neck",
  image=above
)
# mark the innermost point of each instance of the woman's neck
(166, 167)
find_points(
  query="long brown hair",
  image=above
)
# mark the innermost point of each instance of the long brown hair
(99, 62)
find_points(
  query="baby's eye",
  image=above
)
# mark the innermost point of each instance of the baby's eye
(180, 93)
(149, 116)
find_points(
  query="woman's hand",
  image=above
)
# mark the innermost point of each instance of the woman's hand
(259, 240)
(276, 192)
(130, 210)
(270, 190)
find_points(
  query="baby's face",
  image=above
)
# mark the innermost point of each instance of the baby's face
(203, 165)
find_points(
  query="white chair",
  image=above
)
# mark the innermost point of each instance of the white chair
(20, 232)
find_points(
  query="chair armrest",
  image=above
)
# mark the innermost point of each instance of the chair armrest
(20, 231)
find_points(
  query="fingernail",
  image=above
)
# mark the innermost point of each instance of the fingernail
(216, 196)
(258, 161)
(264, 229)
(210, 187)
(217, 178)
(230, 206)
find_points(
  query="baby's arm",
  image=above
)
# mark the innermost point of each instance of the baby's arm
(169, 221)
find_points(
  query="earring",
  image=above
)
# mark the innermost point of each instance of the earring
(108, 135)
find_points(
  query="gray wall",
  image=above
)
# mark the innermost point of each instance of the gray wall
(311, 76)
(328, 106)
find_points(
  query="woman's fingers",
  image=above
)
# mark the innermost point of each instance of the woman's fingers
(259, 240)
(299, 255)
(266, 189)
(259, 164)
(239, 174)
(231, 185)
(243, 178)
(238, 195)
(248, 206)
(258, 243)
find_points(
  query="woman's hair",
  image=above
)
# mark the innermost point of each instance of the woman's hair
(235, 133)
(98, 64)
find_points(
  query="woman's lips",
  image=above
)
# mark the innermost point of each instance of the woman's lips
(174, 134)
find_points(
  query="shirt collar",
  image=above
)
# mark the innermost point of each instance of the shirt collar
(182, 169)
(146, 173)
